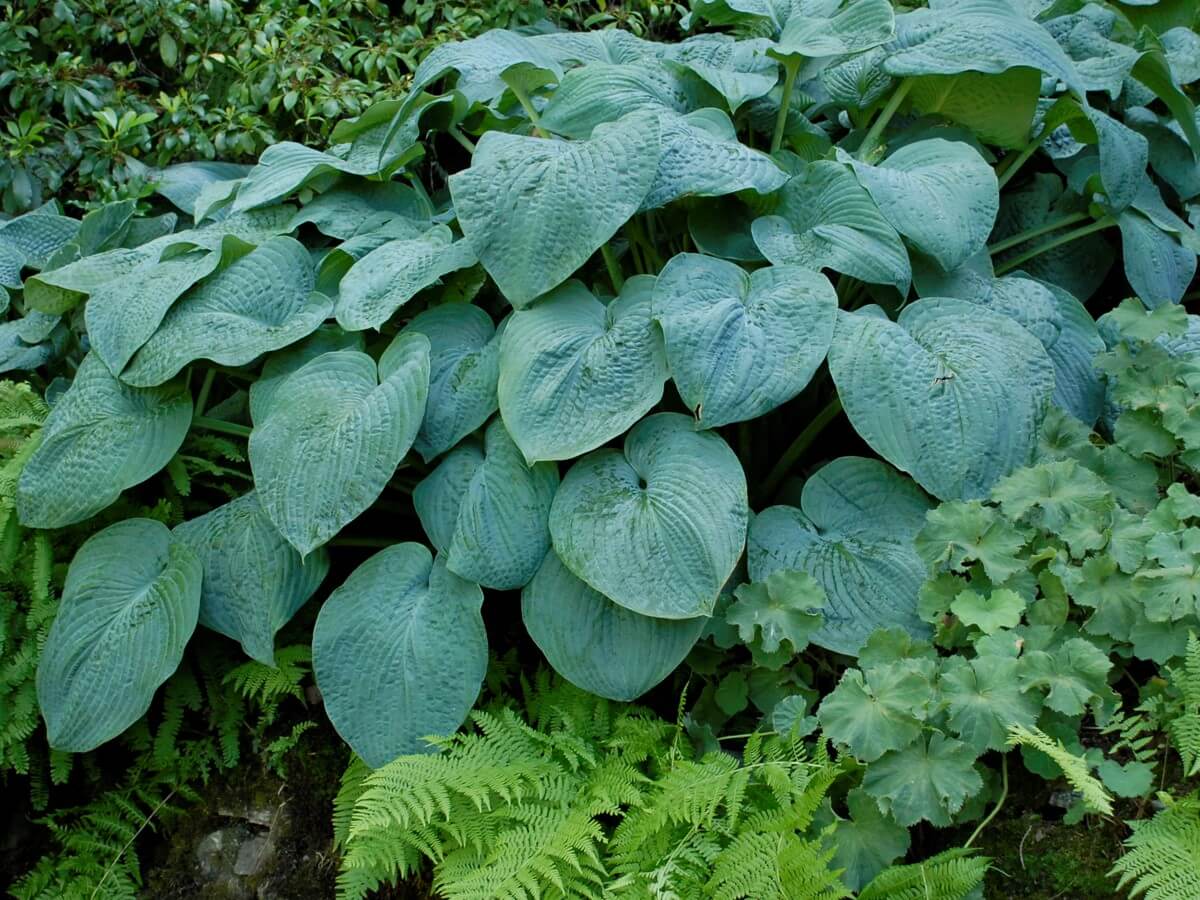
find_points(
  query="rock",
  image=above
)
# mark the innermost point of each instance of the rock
(217, 855)
(1065, 799)
(253, 856)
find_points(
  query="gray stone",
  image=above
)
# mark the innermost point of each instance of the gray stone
(253, 856)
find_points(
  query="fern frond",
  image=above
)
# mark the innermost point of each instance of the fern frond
(1074, 768)
(1162, 858)
(951, 875)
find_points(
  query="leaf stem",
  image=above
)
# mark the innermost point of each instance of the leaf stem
(791, 68)
(466, 142)
(1030, 233)
(872, 139)
(205, 390)
(800, 444)
(1074, 235)
(527, 105)
(614, 268)
(1012, 164)
(219, 426)
(999, 803)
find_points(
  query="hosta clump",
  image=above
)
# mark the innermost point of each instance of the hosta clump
(590, 299)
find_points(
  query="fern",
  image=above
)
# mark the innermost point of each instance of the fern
(1162, 859)
(1184, 727)
(1074, 769)
(951, 875)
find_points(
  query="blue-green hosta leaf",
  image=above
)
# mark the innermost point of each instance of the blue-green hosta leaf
(827, 220)
(659, 527)
(337, 260)
(575, 373)
(388, 277)
(254, 580)
(263, 302)
(333, 435)
(481, 63)
(464, 369)
(854, 534)
(101, 437)
(737, 70)
(741, 344)
(990, 36)
(287, 166)
(488, 513)
(999, 109)
(281, 364)
(360, 207)
(129, 605)
(600, 92)
(610, 45)
(31, 341)
(535, 209)
(930, 779)
(702, 157)
(399, 652)
(183, 182)
(951, 393)
(597, 645)
(859, 26)
(939, 194)
(30, 241)
(1158, 266)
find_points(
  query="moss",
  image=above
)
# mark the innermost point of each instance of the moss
(1036, 858)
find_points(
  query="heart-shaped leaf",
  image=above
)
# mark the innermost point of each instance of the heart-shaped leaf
(575, 373)
(597, 645)
(860, 25)
(129, 606)
(659, 527)
(594, 94)
(108, 436)
(281, 364)
(854, 534)
(399, 652)
(254, 580)
(739, 344)
(952, 393)
(333, 435)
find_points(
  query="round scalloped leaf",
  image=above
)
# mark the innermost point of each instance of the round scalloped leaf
(464, 369)
(740, 344)
(827, 220)
(941, 195)
(488, 511)
(101, 437)
(952, 393)
(535, 209)
(263, 302)
(254, 580)
(575, 373)
(854, 534)
(399, 653)
(659, 527)
(333, 435)
(597, 645)
(129, 606)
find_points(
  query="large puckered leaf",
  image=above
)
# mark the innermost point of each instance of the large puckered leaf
(600, 92)
(399, 652)
(535, 209)
(596, 644)
(939, 194)
(389, 276)
(858, 26)
(101, 437)
(262, 302)
(487, 512)
(129, 606)
(287, 166)
(827, 220)
(575, 373)
(360, 207)
(952, 393)
(481, 62)
(740, 344)
(254, 580)
(282, 363)
(854, 534)
(464, 369)
(658, 527)
(333, 435)
(999, 108)
(738, 70)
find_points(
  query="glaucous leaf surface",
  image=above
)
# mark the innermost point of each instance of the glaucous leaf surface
(129, 606)
(333, 435)
(575, 373)
(939, 194)
(360, 207)
(536, 209)
(598, 93)
(264, 301)
(596, 644)
(827, 220)
(254, 580)
(399, 653)
(740, 344)
(998, 108)
(738, 70)
(488, 513)
(101, 437)
(951, 393)
(464, 371)
(282, 363)
(859, 25)
(481, 62)
(854, 534)
(659, 527)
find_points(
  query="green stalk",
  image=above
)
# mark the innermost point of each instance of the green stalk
(871, 141)
(527, 105)
(1074, 235)
(1012, 165)
(614, 269)
(217, 425)
(800, 444)
(999, 803)
(205, 390)
(466, 143)
(791, 68)
(1031, 233)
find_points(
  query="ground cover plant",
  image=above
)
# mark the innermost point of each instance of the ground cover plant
(819, 375)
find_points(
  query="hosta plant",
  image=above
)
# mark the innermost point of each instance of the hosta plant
(591, 299)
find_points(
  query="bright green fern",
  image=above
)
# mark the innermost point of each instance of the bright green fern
(1162, 858)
